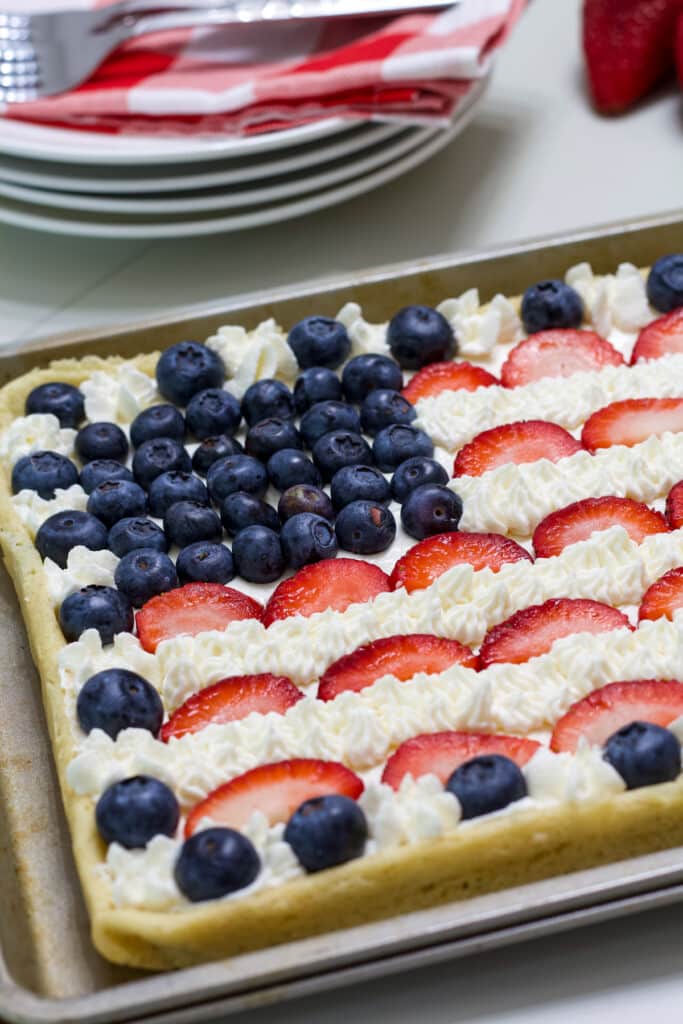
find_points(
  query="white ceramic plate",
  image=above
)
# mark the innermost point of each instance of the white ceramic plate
(98, 226)
(42, 143)
(96, 180)
(236, 197)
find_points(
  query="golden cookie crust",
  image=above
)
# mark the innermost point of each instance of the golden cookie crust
(513, 849)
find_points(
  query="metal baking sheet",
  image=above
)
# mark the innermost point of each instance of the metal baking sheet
(49, 971)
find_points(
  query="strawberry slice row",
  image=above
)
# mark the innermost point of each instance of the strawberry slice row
(431, 380)
(578, 521)
(557, 353)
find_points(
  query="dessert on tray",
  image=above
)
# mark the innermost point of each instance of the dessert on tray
(353, 619)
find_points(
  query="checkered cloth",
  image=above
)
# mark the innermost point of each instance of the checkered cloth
(241, 79)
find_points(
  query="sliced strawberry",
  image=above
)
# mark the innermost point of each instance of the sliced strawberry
(557, 353)
(400, 656)
(335, 583)
(581, 519)
(431, 380)
(230, 699)
(674, 506)
(525, 441)
(194, 608)
(432, 557)
(274, 789)
(632, 421)
(660, 338)
(440, 753)
(534, 630)
(603, 711)
(628, 45)
(664, 597)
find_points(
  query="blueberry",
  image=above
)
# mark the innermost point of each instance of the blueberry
(240, 510)
(257, 554)
(394, 444)
(62, 400)
(551, 304)
(307, 538)
(340, 448)
(382, 407)
(289, 467)
(326, 831)
(271, 435)
(644, 754)
(319, 341)
(95, 607)
(136, 532)
(101, 441)
(266, 398)
(327, 416)
(69, 529)
(214, 863)
(365, 527)
(144, 573)
(431, 509)
(665, 283)
(304, 498)
(160, 455)
(116, 699)
(212, 449)
(365, 373)
(134, 810)
(316, 384)
(413, 473)
(117, 499)
(212, 412)
(187, 522)
(485, 784)
(99, 470)
(157, 421)
(236, 473)
(205, 563)
(43, 472)
(175, 486)
(351, 483)
(186, 368)
(418, 335)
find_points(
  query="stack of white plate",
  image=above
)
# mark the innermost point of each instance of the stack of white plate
(110, 186)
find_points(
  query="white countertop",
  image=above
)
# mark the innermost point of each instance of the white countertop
(536, 160)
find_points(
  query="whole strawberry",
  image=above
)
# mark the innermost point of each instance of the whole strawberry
(629, 48)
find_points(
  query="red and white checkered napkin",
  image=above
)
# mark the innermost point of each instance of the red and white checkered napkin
(249, 78)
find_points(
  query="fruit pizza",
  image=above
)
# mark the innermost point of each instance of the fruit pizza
(343, 619)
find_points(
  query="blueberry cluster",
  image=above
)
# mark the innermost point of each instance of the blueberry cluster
(345, 430)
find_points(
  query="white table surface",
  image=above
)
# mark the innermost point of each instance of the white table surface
(535, 160)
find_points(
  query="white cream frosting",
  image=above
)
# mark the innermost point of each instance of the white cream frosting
(365, 337)
(584, 775)
(117, 396)
(480, 331)
(38, 432)
(34, 510)
(453, 418)
(616, 304)
(513, 498)
(461, 604)
(83, 568)
(361, 729)
(253, 355)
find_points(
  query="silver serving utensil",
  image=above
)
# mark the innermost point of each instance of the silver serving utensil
(45, 54)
